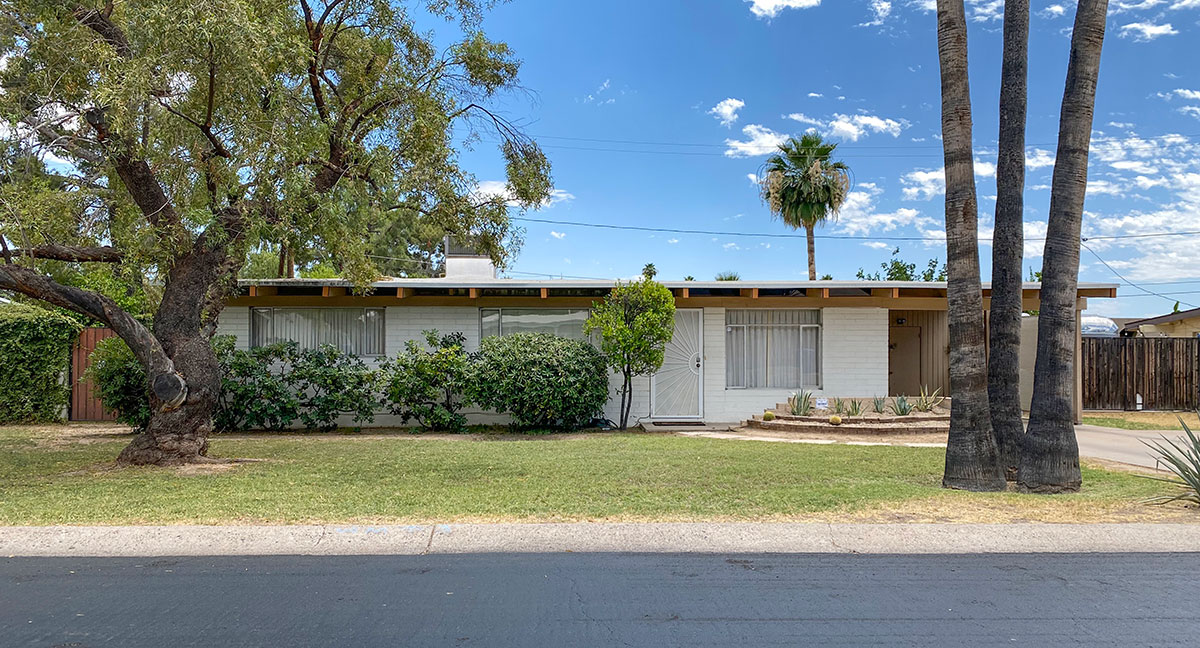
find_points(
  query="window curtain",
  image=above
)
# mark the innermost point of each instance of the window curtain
(767, 348)
(563, 322)
(358, 331)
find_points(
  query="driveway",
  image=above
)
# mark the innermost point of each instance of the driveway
(1125, 446)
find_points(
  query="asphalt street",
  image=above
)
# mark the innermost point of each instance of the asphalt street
(1125, 446)
(599, 599)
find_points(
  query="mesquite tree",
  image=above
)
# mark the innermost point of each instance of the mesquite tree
(971, 456)
(1050, 456)
(168, 136)
(1004, 343)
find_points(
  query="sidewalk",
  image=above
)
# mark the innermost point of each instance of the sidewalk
(588, 537)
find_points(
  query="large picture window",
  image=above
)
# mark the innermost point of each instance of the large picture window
(358, 331)
(563, 322)
(767, 348)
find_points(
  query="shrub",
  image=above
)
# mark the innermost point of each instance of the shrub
(330, 383)
(768, 415)
(35, 358)
(427, 384)
(540, 379)
(928, 402)
(253, 396)
(120, 382)
(901, 406)
(1182, 458)
(879, 404)
(854, 408)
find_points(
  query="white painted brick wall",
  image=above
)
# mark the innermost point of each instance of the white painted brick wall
(235, 321)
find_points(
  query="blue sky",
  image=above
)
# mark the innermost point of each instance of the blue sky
(654, 114)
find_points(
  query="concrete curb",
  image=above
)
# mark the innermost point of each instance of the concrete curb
(335, 540)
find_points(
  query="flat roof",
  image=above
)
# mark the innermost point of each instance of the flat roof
(609, 283)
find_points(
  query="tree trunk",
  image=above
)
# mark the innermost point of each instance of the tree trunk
(971, 457)
(1004, 357)
(626, 399)
(812, 252)
(1050, 456)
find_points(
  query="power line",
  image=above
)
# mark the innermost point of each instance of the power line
(777, 235)
(1122, 278)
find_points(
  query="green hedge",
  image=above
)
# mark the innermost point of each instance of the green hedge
(35, 360)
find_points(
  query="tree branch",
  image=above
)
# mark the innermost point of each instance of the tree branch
(83, 254)
(166, 383)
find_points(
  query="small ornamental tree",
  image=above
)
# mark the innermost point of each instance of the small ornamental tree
(635, 322)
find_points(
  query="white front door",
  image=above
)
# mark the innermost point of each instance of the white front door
(675, 390)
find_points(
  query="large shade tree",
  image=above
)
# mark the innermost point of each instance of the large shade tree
(971, 455)
(179, 133)
(1050, 456)
(805, 187)
(1004, 330)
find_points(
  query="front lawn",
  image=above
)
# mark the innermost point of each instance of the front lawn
(59, 476)
(1139, 420)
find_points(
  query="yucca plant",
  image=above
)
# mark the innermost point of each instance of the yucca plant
(879, 404)
(854, 408)
(800, 404)
(927, 402)
(839, 406)
(1181, 457)
(901, 406)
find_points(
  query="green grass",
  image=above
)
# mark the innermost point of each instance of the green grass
(1162, 421)
(46, 478)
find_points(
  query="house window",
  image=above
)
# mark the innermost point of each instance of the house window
(357, 331)
(767, 348)
(563, 322)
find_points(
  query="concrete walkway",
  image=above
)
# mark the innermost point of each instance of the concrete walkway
(590, 537)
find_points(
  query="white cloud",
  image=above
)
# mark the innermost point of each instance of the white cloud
(880, 11)
(815, 95)
(877, 245)
(595, 96)
(1194, 111)
(1182, 93)
(1053, 11)
(771, 8)
(1145, 31)
(985, 169)
(923, 184)
(1039, 158)
(558, 235)
(852, 127)
(731, 246)
(858, 215)
(753, 178)
(500, 188)
(760, 141)
(1137, 166)
(673, 241)
(726, 111)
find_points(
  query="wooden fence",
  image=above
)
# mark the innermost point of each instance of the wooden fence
(1165, 372)
(85, 403)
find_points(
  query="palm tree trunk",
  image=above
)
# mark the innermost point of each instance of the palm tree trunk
(812, 252)
(971, 457)
(1004, 356)
(1050, 454)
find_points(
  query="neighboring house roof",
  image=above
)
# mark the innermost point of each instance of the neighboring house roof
(1163, 319)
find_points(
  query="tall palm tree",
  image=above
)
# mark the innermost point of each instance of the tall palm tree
(1004, 342)
(972, 462)
(805, 188)
(1050, 456)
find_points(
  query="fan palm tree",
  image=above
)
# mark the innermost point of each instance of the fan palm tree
(1004, 344)
(972, 462)
(805, 188)
(1050, 455)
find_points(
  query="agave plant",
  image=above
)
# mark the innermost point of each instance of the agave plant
(879, 404)
(1182, 458)
(901, 407)
(839, 406)
(800, 404)
(854, 408)
(927, 402)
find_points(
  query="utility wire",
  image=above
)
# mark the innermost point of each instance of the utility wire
(844, 237)
(1122, 277)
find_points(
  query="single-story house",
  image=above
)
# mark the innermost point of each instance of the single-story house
(1184, 324)
(739, 346)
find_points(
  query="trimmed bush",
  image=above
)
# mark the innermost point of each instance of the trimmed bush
(252, 396)
(35, 358)
(427, 383)
(330, 383)
(540, 380)
(121, 382)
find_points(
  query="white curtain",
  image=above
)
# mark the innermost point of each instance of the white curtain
(563, 322)
(766, 348)
(358, 331)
